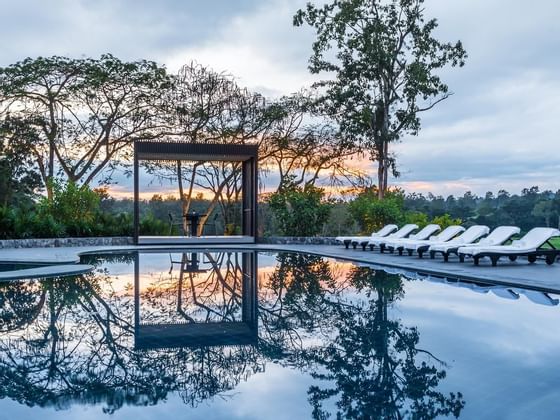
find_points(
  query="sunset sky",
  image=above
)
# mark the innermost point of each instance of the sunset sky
(498, 131)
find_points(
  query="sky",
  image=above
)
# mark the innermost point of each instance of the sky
(497, 131)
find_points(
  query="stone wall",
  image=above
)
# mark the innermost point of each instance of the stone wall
(305, 240)
(60, 242)
(63, 242)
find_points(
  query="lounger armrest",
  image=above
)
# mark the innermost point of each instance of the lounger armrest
(433, 238)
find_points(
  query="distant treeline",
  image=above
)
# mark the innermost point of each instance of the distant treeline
(529, 209)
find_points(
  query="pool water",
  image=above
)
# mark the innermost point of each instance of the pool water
(272, 335)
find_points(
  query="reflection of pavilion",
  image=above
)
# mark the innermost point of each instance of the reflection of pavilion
(189, 332)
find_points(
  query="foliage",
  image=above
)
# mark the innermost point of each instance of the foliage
(340, 221)
(385, 70)
(18, 176)
(74, 206)
(417, 218)
(84, 113)
(299, 211)
(372, 214)
(150, 225)
(445, 221)
(529, 209)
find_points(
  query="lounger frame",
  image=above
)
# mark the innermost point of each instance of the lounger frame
(550, 255)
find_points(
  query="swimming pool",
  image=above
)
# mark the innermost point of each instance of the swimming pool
(272, 335)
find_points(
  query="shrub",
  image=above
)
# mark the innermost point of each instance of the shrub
(372, 214)
(150, 225)
(43, 226)
(299, 211)
(108, 224)
(8, 223)
(445, 221)
(418, 218)
(75, 207)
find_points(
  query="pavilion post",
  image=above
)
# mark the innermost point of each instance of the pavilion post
(136, 197)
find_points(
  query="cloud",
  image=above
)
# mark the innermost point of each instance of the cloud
(498, 130)
(128, 28)
(261, 49)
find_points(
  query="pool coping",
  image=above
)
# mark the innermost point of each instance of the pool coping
(47, 271)
(58, 262)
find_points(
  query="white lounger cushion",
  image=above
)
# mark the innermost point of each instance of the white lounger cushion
(379, 234)
(386, 230)
(529, 243)
(498, 236)
(399, 234)
(424, 234)
(446, 235)
(469, 236)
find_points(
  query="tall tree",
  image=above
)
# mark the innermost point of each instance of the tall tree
(86, 112)
(384, 70)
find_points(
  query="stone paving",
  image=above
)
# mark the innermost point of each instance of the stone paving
(538, 276)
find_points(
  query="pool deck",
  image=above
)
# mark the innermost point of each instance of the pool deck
(538, 276)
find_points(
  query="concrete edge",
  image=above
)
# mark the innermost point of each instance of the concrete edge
(46, 272)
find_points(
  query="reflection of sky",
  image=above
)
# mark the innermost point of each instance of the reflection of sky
(502, 355)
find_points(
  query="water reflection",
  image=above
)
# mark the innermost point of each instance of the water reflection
(191, 329)
(229, 276)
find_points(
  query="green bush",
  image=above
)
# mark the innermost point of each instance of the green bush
(299, 211)
(43, 226)
(372, 214)
(8, 223)
(150, 225)
(418, 218)
(108, 224)
(75, 207)
(446, 220)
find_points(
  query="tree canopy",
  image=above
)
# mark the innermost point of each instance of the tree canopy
(381, 59)
(84, 113)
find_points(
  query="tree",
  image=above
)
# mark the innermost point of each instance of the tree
(544, 210)
(18, 175)
(85, 113)
(210, 107)
(384, 70)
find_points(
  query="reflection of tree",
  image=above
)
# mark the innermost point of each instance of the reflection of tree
(71, 340)
(372, 362)
(364, 360)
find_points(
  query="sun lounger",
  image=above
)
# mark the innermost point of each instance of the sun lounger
(399, 234)
(448, 234)
(422, 245)
(398, 244)
(471, 235)
(529, 246)
(355, 240)
(498, 236)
